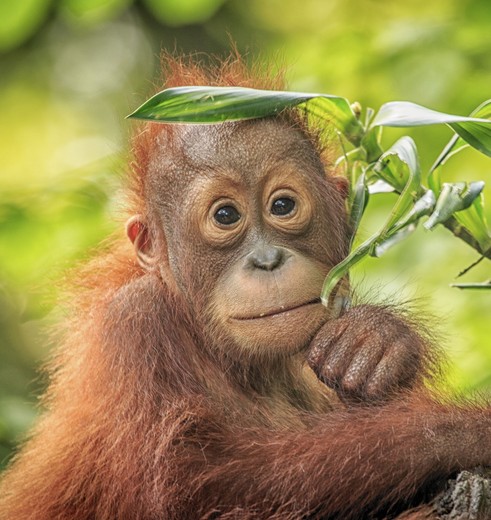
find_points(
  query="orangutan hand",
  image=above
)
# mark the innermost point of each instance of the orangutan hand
(368, 354)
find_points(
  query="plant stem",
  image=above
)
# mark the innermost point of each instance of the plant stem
(461, 232)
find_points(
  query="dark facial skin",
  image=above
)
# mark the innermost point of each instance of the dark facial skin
(252, 225)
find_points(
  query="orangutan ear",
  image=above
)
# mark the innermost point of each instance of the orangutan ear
(341, 184)
(139, 235)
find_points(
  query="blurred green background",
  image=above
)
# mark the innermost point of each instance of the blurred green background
(70, 70)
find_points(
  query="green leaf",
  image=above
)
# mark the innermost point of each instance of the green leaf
(454, 146)
(369, 113)
(337, 111)
(347, 161)
(371, 143)
(218, 104)
(453, 197)
(482, 285)
(473, 130)
(435, 180)
(474, 220)
(380, 186)
(407, 224)
(337, 273)
(399, 166)
(395, 164)
(483, 111)
(358, 200)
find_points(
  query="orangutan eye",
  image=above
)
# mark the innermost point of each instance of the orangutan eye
(227, 215)
(282, 206)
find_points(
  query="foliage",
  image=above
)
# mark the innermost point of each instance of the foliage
(371, 168)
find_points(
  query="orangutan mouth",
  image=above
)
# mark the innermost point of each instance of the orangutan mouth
(277, 311)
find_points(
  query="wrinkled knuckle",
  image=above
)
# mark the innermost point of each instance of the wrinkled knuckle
(378, 384)
(408, 336)
(404, 353)
(373, 392)
(336, 328)
(329, 375)
(350, 384)
(348, 340)
(315, 356)
(318, 343)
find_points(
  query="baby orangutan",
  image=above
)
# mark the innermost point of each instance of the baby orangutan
(202, 378)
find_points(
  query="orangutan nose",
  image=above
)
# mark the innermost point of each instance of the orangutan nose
(266, 257)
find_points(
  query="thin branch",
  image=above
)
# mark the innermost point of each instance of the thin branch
(467, 269)
(461, 232)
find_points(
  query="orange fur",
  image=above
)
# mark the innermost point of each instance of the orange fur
(142, 423)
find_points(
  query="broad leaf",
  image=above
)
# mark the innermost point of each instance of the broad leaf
(473, 130)
(218, 104)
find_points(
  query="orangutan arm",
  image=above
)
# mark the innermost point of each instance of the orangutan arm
(348, 465)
